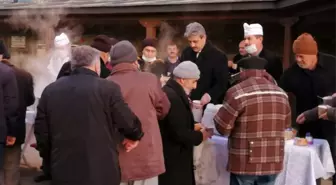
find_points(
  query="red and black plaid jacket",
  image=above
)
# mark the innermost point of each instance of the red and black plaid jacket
(255, 113)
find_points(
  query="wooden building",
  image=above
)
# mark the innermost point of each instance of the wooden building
(283, 21)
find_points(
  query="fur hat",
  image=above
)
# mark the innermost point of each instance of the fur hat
(149, 42)
(102, 42)
(253, 62)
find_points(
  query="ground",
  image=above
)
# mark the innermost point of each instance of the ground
(27, 176)
(34, 161)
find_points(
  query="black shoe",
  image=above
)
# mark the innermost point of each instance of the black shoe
(42, 178)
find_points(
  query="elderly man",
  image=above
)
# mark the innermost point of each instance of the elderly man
(149, 53)
(312, 76)
(177, 129)
(253, 35)
(148, 61)
(104, 43)
(11, 172)
(254, 105)
(8, 106)
(77, 120)
(211, 62)
(149, 103)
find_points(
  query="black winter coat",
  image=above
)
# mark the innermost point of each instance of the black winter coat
(213, 65)
(274, 66)
(77, 119)
(26, 98)
(66, 70)
(8, 102)
(178, 138)
(307, 86)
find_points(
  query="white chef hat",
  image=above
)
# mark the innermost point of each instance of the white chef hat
(61, 40)
(252, 29)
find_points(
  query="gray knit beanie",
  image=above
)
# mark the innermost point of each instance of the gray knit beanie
(123, 52)
(188, 70)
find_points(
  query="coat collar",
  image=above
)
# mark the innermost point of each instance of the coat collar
(179, 91)
(204, 49)
(123, 68)
(5, 61)
(84, 71)
(252, 73)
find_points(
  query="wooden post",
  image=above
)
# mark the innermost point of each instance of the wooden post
(150, 26)
(287, 23)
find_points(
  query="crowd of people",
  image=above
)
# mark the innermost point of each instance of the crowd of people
(112, 117)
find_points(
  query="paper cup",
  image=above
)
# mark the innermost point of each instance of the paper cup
(197, 104)
(197, 111)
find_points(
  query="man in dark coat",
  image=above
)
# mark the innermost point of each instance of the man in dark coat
(26, 98)
(233, 65)
(312, 76)
(172, 59)
(8, 107)
(177, 129)
(77, 120)
(253, 35)
(103, 44)
(212, 63)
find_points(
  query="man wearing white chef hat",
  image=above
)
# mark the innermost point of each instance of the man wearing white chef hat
(60, 55)
(253, 37)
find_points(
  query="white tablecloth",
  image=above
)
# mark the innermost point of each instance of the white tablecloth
(30, 156)
(210, 160)
(302, 165)
(305, 164)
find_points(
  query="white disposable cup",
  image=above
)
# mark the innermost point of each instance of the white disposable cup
(197, 110)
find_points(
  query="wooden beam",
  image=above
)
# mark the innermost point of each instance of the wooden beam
(287, 23)
(211, 17)
(287, 3)
(106, 9)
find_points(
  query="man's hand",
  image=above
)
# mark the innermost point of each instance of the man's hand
(129, 144)
(198, 127)
(206, 134)
(301, 119)
(323, 116)
(230, 63)
(10, 141)
(206, 98)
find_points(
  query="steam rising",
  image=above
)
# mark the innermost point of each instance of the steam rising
(45, 25)
(167, 34)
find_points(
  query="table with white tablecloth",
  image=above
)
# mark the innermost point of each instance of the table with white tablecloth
(210, 159)
(302, 164)
(30, 156)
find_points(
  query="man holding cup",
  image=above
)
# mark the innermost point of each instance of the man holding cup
(327, 111)
(178, 130)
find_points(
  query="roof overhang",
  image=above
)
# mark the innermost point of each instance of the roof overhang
(123, 7)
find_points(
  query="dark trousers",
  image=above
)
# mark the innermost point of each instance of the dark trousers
(46, 166)
(2, 155)
(252, 179)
